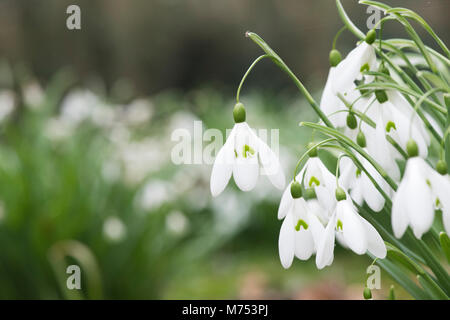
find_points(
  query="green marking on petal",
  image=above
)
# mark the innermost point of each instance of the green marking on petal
(339, 225)
(390, 125)
(235, 154)
(364, 67)
(314, 180)
(358, 172)
(428, 182)
(301, 223)
(246, 150)
(438, 202)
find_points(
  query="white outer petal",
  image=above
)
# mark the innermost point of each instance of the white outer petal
(286, 242)
(325, 249)
(223, 166)
(375, 244)
(270, 163)
(353, 231)
(285, 203)
(399, 216)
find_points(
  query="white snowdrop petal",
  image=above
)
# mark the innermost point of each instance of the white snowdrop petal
(271, 164)
(330, 103)
(285, 203)
(375, 244)
(246, 173)
(372, 196)
(325, 249)
(304, 244)
(419, 205)
(317, 229)
(399, 217)
(223, 166)
(286, 242)
(352, 228)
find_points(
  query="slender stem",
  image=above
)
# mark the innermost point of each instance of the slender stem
(308, 151)
(336, 37)
(247, 73)
(280, 63)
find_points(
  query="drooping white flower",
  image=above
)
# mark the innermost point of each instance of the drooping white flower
(300, 231)
(341, 80)
(241, 156)
(414, 201)
(360, 186)
(395, 117)
(315, 175)
(354, 231)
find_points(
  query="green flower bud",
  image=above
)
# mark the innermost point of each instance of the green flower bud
(391, 293)
(340, 194)
(441, 167)
(412, 149)
(371, 36)
(310, 193)
(381, 96)
(239, 113)
(361, 139)
(335, 57)
(352, 123)
(367, 293)
(296, 190)
(313, 152)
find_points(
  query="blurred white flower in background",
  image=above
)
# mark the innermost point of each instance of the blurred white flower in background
(113, 229)
(33, 94)
(7, 99)
(177, 223)
(231, 211)
(154, 194)
(77, 106)
(138, 112)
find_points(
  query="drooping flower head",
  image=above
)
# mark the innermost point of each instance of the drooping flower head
(243, 155)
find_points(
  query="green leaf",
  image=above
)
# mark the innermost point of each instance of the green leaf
(445, 244)
(434, 292)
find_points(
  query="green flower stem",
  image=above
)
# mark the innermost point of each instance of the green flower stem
(247, 73)
(308, 151)
(402, 74)
(280, 63)
(350, 25)
(343, 138)
(396, 146)
(336, 37)
(435, 265)
(402, 279)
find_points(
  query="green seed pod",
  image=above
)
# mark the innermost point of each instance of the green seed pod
(381, 96)
(340, 194)
(239, 113)
(371, 36)
(296, 190)
(361, 139)
(367, 293)
(441, 167)
(412, 149)
(352, 123)
(313, 152)
(335, 57)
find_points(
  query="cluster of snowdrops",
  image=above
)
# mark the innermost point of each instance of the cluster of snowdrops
(374, 124)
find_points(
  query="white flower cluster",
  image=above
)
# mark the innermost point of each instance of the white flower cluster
(318, 207)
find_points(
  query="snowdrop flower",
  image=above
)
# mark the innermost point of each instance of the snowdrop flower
(394, 116)
(353, 230)
(342, 79)
(301, 230)
(360, 186)
(241, 156)
(420, 188)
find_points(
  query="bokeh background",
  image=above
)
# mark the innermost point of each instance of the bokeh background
(86, 118)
